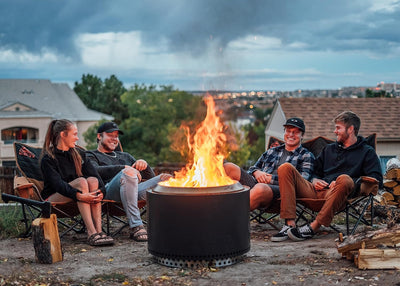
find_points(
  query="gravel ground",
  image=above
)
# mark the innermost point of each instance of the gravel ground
(311, 262)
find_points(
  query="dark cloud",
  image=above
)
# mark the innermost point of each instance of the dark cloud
(191, 25)
(32, 25)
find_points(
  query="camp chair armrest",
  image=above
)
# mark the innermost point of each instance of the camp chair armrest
(44, 206)
(368, 179)
(369, 185)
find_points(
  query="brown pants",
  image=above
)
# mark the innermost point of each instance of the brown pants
(292, 185)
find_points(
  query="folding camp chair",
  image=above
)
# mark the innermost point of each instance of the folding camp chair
(357, 207)
(33, 206)
(266, 215)
(113, 210)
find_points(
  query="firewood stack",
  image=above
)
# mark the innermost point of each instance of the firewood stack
(389, 198)
(391, 184)
(379, 249)
(373, 249)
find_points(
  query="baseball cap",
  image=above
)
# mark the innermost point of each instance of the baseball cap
(109, 127)
(296, 122)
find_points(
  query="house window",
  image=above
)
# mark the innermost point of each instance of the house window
(20, 134)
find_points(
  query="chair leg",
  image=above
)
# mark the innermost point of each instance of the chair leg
(142, 213)
(347, 218)
(73, 226)
(257, 215)
(359, 215)
(302, 211)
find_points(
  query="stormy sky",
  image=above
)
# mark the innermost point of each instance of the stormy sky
(204, 44)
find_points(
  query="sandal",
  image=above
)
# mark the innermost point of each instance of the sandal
(96, 240)
(138, 233)
(106, 237)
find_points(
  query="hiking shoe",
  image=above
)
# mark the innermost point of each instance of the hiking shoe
(282, 234)
(301, 233)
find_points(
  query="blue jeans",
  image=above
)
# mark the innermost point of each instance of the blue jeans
(126, 189)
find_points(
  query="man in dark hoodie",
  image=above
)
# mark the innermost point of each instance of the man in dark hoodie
(337, 175)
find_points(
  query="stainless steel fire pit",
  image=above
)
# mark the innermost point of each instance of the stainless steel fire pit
(192, 226)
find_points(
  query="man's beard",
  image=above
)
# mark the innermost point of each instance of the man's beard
(106, 148)
(343, 138)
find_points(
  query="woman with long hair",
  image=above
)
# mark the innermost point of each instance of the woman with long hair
(69, 176)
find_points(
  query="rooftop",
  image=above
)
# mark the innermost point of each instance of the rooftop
(378, 115)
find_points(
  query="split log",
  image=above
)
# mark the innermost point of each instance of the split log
(371, 239)
(390, 184)
(392, 203)
(46, 240)
(393, 174)
(396, 190)
(387, 197)
(378, 259)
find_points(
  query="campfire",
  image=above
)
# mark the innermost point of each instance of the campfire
(207, 169)
(200, 216)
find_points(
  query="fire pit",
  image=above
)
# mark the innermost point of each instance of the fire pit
(196, 226)
(201, 215)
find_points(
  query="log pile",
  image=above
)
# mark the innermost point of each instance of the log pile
(373, 249)
(388, 199)
(391, 184)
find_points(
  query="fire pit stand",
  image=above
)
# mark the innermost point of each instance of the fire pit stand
(196, 226)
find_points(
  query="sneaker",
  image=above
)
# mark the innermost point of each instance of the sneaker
(282, 235)
(301, 233)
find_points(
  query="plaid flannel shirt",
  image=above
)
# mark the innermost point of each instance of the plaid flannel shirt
(301, 158)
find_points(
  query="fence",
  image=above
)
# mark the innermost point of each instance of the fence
(7, 179)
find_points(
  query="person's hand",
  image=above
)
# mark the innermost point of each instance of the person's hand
(132, 172)
(140, 165)
(262, 177)
(165, 177)
(320, 185)
(90, 198)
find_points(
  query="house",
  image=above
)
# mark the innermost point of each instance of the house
(378, 115)
(27, 106)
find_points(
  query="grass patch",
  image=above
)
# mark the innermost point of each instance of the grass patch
(11, 224)
(113, 277)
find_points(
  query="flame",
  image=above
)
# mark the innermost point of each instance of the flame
(207, 169)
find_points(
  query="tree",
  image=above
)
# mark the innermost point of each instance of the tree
(239, 150)
(89, 90)
(380, 93)
(111, 98)
(103, 97)
(154, 117)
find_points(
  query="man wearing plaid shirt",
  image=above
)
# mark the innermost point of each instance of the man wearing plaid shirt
(262, 177)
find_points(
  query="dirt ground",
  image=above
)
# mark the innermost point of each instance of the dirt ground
(311, 262)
